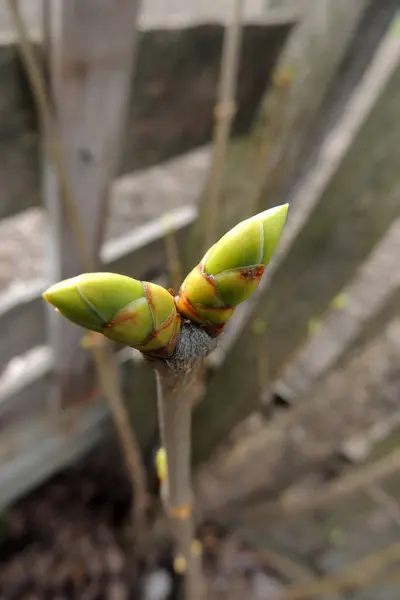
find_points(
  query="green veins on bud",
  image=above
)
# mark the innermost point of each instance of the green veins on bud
(231, 270)
(136, 313)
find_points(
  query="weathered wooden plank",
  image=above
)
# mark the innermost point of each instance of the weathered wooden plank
(91, 50)
(23, 393)
(139, 386)
(345, 221)
(34, 444)
(171, 109)
(372, 442)
(24, 390)
(297, 500)
(19, 144)
(308, 61)
(248, 156)
(301, 78)
(33, 449)
(368, 298)
(320, 70)
(22, 320)
(139, 254)
(372, 27)
(302, 441)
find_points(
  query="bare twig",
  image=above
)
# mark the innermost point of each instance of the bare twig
(271, 116)
(173, 260)
(103, 356)
(109, 383)
(225, 111)
(174, 410)
(367, 571)
(176, 383)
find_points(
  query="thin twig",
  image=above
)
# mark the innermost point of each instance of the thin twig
(107, 371)
(174, 413)
(267, 130)
(369, 570)
(224, 113)
(171, 248)
(103, 356)
(177, 384)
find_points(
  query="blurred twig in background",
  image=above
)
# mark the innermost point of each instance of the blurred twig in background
(172, 250)
(102, 354)
(224, 113)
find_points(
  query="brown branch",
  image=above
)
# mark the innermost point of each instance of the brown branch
(369, 570)
(102, 354)
(177, 384)
(107, 372)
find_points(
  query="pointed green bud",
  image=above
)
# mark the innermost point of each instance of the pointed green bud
(135, 313)
(232, 269)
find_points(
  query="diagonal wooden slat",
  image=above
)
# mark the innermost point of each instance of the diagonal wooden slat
(139, 254)
(339, 213)
(365, 298)
(171, 110)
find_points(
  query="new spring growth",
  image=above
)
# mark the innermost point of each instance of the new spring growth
(146, 316)
(231, 270)
(135, 313)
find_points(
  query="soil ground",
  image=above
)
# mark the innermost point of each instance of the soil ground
(67, 541)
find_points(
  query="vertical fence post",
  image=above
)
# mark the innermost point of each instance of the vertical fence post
(90, 50)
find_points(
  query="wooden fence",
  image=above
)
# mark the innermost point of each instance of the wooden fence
(324, 135)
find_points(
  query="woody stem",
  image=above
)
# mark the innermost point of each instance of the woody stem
(177, 383)
(174, 411)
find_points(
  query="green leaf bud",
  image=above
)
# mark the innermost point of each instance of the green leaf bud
(135, 313)
(231, 270)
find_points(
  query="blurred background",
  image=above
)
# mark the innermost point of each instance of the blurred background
(174, 120)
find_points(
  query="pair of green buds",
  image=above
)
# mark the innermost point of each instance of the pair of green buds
(147, 317)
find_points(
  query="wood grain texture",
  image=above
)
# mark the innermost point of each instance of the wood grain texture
(90, 51)
(372, 27)
(321, 70)
(35, 448)
(246, 163)
(351, 319)
(353, 208)
(304, 73)
(305, 441)
(171, 109)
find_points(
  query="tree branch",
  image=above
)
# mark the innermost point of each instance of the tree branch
(177, 385)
